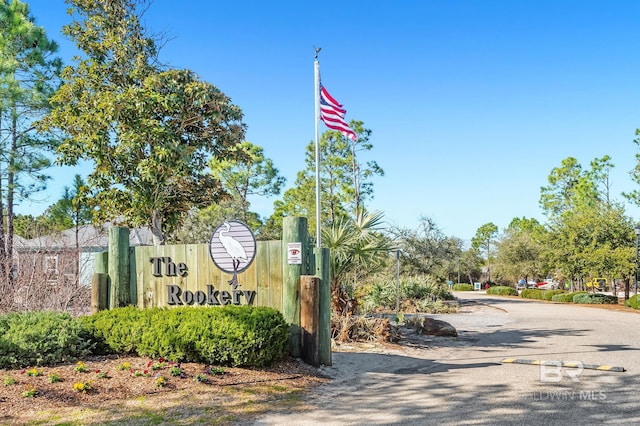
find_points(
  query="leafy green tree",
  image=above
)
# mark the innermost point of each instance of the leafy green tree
(519, 252)
(28, 76)
(426, 250)
(593, 242)
(634, 196)
(248, 174)
(470, 265)
(150, 132)
(71, 210)
(298, 200)
(591, 234)
(558, 196)
(599, 175)
(570, 187)
(199, 224)
(345, 181)
(485, 236)
(361, 188)
(29, 227)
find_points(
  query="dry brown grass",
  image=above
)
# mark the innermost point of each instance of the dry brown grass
(122, 397)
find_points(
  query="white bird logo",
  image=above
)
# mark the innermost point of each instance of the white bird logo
(233, 249)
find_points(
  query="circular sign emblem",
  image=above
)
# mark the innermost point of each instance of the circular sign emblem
(232, 247)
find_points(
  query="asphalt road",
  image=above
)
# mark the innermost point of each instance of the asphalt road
(463, 381)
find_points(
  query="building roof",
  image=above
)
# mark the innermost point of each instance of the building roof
(90, 238)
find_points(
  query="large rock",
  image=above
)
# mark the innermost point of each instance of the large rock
(434, 327)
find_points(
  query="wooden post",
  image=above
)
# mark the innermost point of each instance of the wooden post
(323, 272)
(99, 292)
(101, 265)
(294, 230)
(118, 267)
(133, 279)
(309, 318)
(101, 262)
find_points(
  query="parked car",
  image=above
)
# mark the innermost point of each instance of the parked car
(548, 285)
(522, 284)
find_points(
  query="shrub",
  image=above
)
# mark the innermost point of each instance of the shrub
(548, 294)
(633, 302)
(462, 287)
(531, 293)
(595, 299)
(117, 330)
(566, 297)
(436, 307)
(41, 338)
(414, 291)
(232, 335)
(502, 291)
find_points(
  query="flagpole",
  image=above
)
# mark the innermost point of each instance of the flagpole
(316, 75)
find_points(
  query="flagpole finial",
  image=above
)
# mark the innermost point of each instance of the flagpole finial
(317, 50)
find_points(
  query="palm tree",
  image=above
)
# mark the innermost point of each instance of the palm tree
(358, 248)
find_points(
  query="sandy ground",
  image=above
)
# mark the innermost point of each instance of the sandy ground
(460, 381)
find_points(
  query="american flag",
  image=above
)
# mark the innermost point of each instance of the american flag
(332, 114)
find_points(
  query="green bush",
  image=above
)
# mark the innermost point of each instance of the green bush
(418, 289)
(633, 302)
(436, 307)
(595, 299)
(502, 291)
(462, 287)
(548, 294)
(41, 338)
(531, 293)
(233, 335)
(566, 297)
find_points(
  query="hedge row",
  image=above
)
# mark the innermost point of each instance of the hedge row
(502, 291)
(462, 287)
(566, 297)
(41, 338)
(548, 294)
(531, 293)
(595, 299)
(633, 301)
(233, 335)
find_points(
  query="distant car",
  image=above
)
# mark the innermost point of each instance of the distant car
(521, 285)
(547, 285)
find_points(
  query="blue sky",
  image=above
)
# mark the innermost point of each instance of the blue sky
(471, 103)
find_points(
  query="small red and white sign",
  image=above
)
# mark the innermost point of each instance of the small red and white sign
(294, 253)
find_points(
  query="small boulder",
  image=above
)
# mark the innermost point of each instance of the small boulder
(434, 327)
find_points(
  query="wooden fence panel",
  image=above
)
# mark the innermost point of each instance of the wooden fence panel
(276, 274)
(264, 275)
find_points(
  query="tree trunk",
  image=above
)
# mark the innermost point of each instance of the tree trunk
(3, 252)
(11, 172)
(156, 228)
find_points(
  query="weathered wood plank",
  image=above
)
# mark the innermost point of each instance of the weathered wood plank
(99, 292)
(118, 266)
(309, 287)
(262, 273)
(294, 230)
